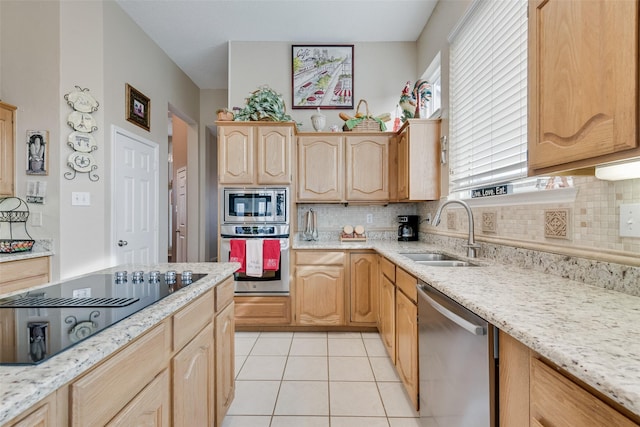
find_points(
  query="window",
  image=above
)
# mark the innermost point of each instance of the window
(488, 100)
(432, 75)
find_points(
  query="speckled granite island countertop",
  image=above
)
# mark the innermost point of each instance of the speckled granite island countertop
(23, 386)
(591, 332)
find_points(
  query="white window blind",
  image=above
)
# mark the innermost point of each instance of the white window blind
(488, 101)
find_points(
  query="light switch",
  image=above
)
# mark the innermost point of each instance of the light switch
(36, 219)
(630, 220)
(81, 198)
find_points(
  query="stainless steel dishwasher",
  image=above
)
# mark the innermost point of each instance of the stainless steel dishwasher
(457, 363)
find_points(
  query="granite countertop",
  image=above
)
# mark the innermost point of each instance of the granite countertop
(23, 386)
(589, 331)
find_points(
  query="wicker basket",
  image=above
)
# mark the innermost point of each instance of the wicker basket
(368, 124)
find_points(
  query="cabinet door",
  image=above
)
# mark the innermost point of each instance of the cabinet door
(150, 408)
(193, 382)
(407, 345)
(319, 295)
(387, 316)
(274, 155)
(367, 171)
(7, 142)
(235, 154)
(581, 52)
(225, 361)
(320, 169)
(363, 289)
(43, 415)
(403, 165)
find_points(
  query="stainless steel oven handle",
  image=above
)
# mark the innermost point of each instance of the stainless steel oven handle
(463, 323)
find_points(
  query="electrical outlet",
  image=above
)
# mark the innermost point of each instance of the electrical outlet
(630, 220)
(369, 218)
(81, 293)
(428, 218)
(36, 219)
(79, 198)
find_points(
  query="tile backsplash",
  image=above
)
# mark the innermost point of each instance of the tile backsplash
(589, 224)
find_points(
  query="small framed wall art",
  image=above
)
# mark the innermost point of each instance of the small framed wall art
(322, 76)
(138, 108)
(37, 155)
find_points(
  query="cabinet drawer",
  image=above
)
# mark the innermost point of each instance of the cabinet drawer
(388, 269)
(191, 319)
(407, 284)
(20, 274)
(320, 258)
(224, 294)
(262, 311)
(558, 401)
(103, 392)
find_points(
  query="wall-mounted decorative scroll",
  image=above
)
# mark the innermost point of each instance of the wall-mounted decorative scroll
(80, 140)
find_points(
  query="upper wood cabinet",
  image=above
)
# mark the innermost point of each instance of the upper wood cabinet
(320, 168)
(7, 151)
(255, 154)
(343, 167)
(418, 160)
(583, 83)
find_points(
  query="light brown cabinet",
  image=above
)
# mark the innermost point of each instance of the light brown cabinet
(7, 149)
(258, 311)
(387, 307)
(193, 373)
(23, 273)
(225, 361)
(581, 54)
(407, 344)
(42, 414)
(363, 289)
(320, 288)
(341, 168)
(536, 393)
(151, 407)
(418, 160)
(250, 154)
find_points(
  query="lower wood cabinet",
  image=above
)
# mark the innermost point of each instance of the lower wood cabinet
(193, 372)
(407, 344)
(150, 408)
(320, 288)
(260, 311)
(225, 361)
(533, 392)
(387, 321)
(363, 289)
(42, 414)
(23, 273)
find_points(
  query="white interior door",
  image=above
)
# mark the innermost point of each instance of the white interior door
(135, 198)
(181, 215)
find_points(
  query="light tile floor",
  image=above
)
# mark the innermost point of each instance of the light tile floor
(316, 379)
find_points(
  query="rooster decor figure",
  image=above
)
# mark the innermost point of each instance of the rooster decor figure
(411, 101)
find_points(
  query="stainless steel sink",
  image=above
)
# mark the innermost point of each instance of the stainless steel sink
(417, 256)
(433, 259)
(447, 263)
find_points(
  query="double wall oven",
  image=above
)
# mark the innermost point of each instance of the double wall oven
(257, 213)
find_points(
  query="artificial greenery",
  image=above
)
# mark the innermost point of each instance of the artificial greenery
(263, 104)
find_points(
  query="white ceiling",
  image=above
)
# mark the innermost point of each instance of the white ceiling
(195, 33)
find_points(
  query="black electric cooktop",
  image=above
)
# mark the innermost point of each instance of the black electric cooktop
(47, 321)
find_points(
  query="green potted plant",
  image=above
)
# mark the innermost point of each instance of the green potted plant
(264, 104)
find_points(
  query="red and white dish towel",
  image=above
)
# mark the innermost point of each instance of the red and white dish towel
(255, 256)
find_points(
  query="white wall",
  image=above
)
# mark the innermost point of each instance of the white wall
(97, 46)
(380, 72)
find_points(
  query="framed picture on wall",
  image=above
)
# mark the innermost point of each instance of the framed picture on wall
(322, 76)
(37, 155)
(138, 108)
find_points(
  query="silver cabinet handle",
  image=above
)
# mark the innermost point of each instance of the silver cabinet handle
(122, 243)
(463, 323)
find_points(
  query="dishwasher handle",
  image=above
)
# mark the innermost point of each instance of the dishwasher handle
(478, 330)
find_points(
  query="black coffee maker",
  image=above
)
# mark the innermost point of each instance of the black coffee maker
(408, 228)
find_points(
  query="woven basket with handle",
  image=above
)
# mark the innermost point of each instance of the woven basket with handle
(368, 124)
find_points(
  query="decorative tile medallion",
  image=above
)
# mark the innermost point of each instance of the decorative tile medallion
(489, 222)
(451, 220)
(556, 223)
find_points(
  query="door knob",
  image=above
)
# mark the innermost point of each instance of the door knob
(122, 243)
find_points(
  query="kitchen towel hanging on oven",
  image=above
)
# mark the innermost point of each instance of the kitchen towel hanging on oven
(271, 255)
(253, 257)
(237, 253)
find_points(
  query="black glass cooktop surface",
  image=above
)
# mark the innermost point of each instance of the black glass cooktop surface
(42, 323)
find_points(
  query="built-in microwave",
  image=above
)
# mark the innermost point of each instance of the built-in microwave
(256, 205)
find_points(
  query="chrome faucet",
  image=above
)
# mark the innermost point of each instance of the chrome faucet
(471, 246)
